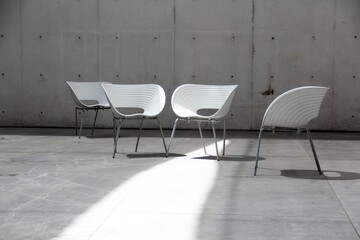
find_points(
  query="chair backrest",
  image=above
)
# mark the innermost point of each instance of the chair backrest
(148, 97)
(295, 108)
(88, 94)
(188, 99)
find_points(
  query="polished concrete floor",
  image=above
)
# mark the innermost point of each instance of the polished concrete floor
(56, 186)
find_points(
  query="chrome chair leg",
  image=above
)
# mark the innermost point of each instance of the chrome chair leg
(172, 135)
(114, 128)
(76, 121)
(258, 151)
(116, 138)
(314, 151)
(224, 137)
(93, 126)
(81, 122)
(202, 138)
(138, 138)
(216, 146)
(162, 135)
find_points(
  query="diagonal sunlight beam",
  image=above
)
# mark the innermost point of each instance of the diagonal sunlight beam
(163, 202)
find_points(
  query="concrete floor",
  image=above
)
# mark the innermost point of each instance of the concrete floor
(55, 186)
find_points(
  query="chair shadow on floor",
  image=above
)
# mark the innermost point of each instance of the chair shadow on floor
(233, 158)
(314, 174)
(153, 155)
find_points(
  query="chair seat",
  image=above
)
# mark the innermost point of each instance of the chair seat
(105, 106)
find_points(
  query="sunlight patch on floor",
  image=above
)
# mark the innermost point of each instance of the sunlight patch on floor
(163, 202)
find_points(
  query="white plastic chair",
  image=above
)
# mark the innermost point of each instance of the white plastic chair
(190, 99)
(146, 101)
(87, 96)
(293, 109)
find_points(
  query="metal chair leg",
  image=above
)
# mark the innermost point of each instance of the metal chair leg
(172, 135)
(314, 151)
(93, 126)
(258, 151)
(116, 138)
(216, 146)
(202, 138)
(81, 122)
(138, 138)
(76, 124)
(224, 137)
(162, 135)
(114, 127)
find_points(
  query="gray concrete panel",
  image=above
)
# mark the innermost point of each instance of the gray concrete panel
(10, 64)
(143, 15)
(347, 67)
(139, 55)
(41, 16)
(40, 42)
(80, 56)
(79, 15)
(213, 15)
(109, 56)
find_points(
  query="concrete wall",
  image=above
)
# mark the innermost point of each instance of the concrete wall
(262, 45)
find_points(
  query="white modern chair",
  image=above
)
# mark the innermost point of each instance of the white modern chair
(146, 101)
(189, 100)
(293, 109)
(87, 96)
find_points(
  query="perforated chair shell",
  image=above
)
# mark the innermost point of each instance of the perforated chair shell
(89, 91)
(148, 97)
(295, 108)
(188, 99)
(88, 96)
